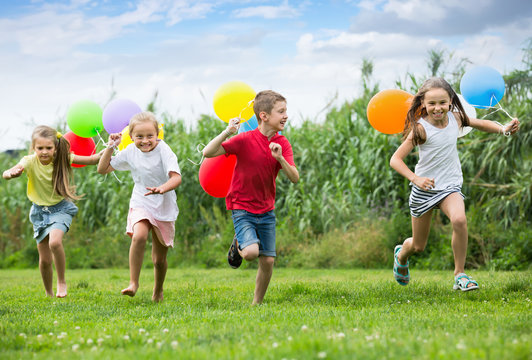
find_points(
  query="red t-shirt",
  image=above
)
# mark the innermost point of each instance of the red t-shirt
(253, 185)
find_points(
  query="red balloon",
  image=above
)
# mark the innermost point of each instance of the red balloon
(215, 174)
(80, 145)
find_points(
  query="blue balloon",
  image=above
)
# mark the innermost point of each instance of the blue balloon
(249, 125)
(482, 86)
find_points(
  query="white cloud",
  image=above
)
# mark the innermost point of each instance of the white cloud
(268, 12)
(183, 10)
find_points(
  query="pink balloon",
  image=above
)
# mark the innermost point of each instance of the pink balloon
(215, 174)
(80, 146)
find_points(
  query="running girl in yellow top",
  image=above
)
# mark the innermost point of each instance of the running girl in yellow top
(49, 175)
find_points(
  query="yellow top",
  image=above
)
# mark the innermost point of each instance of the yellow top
(40, 189)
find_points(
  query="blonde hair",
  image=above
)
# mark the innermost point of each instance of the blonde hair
(265, 101)
(417, 110)
(143, 117)
(62, 174)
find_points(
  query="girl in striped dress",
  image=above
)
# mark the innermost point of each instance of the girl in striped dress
(432, 124)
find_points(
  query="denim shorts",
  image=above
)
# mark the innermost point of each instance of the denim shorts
(255, 229)
(46, 218)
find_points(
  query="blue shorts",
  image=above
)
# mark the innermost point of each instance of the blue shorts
(255, 229)
(46, 218)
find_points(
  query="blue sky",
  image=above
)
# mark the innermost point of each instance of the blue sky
(55, 53)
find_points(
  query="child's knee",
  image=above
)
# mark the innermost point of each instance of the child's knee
(139, 239)
(55, 244)
(159, 262)
(459, 221)
(268, 260)
(45, 261)
(250, 252)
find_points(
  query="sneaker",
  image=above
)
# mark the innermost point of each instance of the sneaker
(233, 257)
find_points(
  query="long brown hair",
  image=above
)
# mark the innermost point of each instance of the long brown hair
(62, 173)
(417, 110)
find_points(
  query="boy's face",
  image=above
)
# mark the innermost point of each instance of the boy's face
(278, 116)
(144, 136)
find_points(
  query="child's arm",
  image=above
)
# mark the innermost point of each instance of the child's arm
(171, 184)
(104, 165)
(290, 171)
(14, 172)
(88, 160)
(214, 147)
(397, 163)
(492, 127)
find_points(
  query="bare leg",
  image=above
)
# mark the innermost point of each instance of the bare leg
(264, 274)
(453, 207)
(250, 253)
(136, 255)
(418, 241)
(56, 246)
(45, 266)
(160, 265)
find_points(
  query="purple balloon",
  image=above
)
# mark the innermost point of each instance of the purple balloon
(117, 114)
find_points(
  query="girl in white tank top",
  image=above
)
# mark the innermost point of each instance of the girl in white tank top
(437, 179)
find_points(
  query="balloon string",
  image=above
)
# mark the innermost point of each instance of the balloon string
(200, 151)
(114, 153)
(100, 139)
(497, 108)
(246, 107)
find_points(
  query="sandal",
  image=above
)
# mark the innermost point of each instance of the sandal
(400, 278)
(462, 281)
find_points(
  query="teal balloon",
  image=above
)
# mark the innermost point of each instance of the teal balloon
(249, 125)
(84, 118)
(482, 86)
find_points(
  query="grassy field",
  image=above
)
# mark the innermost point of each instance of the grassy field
(307, 314)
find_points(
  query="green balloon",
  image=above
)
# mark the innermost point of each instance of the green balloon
(84, 118)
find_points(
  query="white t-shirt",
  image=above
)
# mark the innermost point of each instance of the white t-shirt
(150, 169)
(438, 156)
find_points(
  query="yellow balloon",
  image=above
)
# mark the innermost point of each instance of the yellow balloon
(126, 139)
(233, 99)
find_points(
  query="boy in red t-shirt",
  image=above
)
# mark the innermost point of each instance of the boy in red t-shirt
(260, 155)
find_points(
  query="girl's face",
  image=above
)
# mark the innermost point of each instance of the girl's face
(44, 149)
(437, 102)
(144, 136)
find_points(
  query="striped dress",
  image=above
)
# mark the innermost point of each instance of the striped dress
(438, 160)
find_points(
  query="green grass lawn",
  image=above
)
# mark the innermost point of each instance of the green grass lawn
(307, 314)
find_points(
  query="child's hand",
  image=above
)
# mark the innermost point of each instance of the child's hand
(511, 128)
(154, 190)
(114, 140)
(234, 125)
(423, 183)
(14, 172)
(277, 151)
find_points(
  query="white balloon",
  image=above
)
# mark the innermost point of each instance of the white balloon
(470, 111)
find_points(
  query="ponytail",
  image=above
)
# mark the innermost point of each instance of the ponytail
(62, 173)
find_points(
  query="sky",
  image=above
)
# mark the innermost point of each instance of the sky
(55, 53)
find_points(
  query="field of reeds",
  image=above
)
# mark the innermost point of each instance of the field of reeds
(348, 210)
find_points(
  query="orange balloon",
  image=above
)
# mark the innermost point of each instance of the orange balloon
(387, 110)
